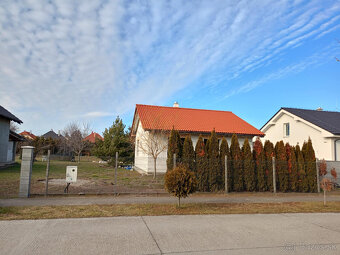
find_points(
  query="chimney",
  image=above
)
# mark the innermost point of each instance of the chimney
(175, 104)
(319, 109)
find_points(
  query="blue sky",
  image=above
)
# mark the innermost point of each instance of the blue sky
(89, 61)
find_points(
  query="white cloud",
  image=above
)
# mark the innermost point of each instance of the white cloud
(70, 60)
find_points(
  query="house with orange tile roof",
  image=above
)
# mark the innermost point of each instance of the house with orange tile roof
(93, 136)
(28, 135)
(187, 121)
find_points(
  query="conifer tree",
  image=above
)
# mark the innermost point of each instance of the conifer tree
(201, 164)
(188, 154)
(310, 166)
(236, 164)
(224, 151)
(292, 168)
(248, 167)
(214, 166)
(268, 154)
(174, 147)
(260, 165)
(281, 166)
(302, 178)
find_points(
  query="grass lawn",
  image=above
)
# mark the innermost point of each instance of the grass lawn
(51, 212)
(99, 177)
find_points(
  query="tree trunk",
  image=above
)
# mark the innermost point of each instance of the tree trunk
(324, 197)
(78, 157)
(154, 167)
(179, 201)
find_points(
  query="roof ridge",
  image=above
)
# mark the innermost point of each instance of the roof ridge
(294, 108)
(171, 107)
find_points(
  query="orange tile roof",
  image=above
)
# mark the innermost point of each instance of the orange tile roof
(28, 134)
(193, 120)
(92, 137)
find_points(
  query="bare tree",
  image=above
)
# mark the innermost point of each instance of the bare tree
(74, 135)
(153, 143)
(13, 127)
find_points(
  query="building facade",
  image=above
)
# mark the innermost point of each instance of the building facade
(296, 126)
(150, 119)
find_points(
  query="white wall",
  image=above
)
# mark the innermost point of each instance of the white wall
(300, 131)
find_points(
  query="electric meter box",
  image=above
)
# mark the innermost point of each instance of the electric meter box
(71, 174)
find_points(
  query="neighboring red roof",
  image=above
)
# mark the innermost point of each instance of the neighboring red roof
(28, 135)
(92, 137)
(193, 120)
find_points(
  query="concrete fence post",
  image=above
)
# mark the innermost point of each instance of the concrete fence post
(317, 174)
(274, 174)
(26, 171)
(47, 172)
(226, 174)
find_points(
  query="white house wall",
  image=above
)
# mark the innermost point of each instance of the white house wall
(300, 131)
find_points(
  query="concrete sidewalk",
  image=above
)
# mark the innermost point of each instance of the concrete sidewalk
(196, 234)
(127, 199)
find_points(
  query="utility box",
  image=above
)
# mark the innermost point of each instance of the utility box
(71, 174)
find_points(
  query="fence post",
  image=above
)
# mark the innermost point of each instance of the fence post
(174, 160)
(226, 174)
(317, 174)
(116, 166)
(47, 172)
(274, 174)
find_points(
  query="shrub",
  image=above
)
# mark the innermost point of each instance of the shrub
(260, 165)
(248, 167)
(188, 154)
(236, 164)
(268, 154)
(310, 166)
(214, 164)
(302, 178)
(281, 167)
(180, 182)
(201, 165)
(292, 168)
(174, 147)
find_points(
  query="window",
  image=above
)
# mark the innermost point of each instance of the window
(286, 130)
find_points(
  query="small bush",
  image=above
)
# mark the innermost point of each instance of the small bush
(180, 182)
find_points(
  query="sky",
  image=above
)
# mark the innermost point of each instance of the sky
(90, 61)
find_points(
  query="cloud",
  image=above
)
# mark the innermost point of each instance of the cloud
(71, 60)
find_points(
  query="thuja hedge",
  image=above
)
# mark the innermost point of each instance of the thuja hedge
(248, 169)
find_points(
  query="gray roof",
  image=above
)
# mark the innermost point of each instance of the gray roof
(52, 134)
(329, 121)
(6, 114)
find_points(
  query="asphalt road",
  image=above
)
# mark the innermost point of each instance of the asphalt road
(196, 234)
(166, 199)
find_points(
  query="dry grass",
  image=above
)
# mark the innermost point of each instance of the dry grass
(51, 212)
(101, 177)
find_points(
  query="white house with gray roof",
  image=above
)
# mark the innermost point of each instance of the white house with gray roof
(295, 126)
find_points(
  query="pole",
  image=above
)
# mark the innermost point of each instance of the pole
(317, 174)
(226, 174)
(116, 167)
(174, 160)
(274, 174)
(47, 172)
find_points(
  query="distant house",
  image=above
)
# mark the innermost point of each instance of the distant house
(93, 136)
(295, 126)
(28, 135)
(8, 139)
(53, 135)
(186, 121)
